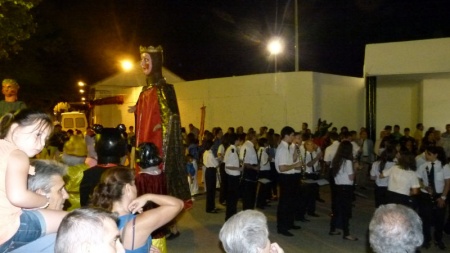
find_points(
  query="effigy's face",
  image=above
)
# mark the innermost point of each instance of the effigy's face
(146, 63)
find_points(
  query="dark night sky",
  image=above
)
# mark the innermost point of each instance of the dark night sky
(84, 39)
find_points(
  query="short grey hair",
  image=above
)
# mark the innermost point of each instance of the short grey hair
(245, 232)
(395, 228)
(83, 225)
(43, 172)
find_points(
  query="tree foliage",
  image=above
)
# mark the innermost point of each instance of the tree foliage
(16, 24)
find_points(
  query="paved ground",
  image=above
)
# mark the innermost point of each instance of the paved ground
(199, 230)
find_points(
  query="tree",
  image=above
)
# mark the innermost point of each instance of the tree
(16, 24)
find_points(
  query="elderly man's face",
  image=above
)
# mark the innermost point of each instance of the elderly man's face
(146, 63)
(111, 239)
(10, 90)
(58, 194)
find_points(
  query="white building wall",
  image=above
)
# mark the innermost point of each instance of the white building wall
(436, 103)
(398, 103)
(340, 100)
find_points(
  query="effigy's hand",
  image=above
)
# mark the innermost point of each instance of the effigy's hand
(131, 109)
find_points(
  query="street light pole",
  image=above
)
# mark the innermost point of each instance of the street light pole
(296, 35)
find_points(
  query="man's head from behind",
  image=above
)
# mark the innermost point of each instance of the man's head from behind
(48, 180)
(88, 230)
(245, 231)
(395, 228)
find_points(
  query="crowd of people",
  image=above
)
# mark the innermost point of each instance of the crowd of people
(260, 167)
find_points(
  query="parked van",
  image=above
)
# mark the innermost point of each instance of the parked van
(73, 120)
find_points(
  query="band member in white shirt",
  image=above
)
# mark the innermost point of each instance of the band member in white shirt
(211, 163)
(233, 170)
(435, 178)
(247, 154)
(289, 178)
(264, 173)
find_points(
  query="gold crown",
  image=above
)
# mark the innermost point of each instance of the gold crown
(150, 49)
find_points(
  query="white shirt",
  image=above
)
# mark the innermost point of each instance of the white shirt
(355, 149)
(221, 152)
(248, 149)
(440, 174)
(284, 156)
(401, 181)
(420, 159)
(342, 177)
(263, 159)
(330, 151)
(231, 159)
(209, 160)
(306, 156)
(375, 172)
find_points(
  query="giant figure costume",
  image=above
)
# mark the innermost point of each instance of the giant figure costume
(158, 121)
(110, 145)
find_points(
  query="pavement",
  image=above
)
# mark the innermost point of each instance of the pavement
(199, 230)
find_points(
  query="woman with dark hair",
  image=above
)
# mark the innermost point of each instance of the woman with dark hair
(386, 161)
(342, 171)
(435, 178)
(117, 193)
(403, 182)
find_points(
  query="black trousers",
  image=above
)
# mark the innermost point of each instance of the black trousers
(210, 182)
(287, 201)
(273, 179)
(264, 189)
(344, 196)
(431, 215)
(232, 195)
(308, 195)
(397, 198)
(223, 183)
(380, 195)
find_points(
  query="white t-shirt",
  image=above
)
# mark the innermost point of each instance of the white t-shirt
(440, 174)
(342, 177)
(284, 156)
(231, 159)
(330, 151)
(306, 156)
(248, 150)
(375, 172)
(209, 160)
(263, 159)
(401, 181)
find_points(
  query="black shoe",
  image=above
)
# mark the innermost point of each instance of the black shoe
(215, 210)
(296, 227)
(334, 233)
(440, 245)
(313, 215)
(285, 233)
(304, 220)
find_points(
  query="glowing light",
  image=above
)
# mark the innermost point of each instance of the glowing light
(81, 91)
(275, 46)
(127, 65)
(81, 84)
(83, 98)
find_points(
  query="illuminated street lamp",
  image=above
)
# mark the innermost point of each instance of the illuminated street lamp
(81, 84)
(275, 47)
(81, 91)
(126, 65)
